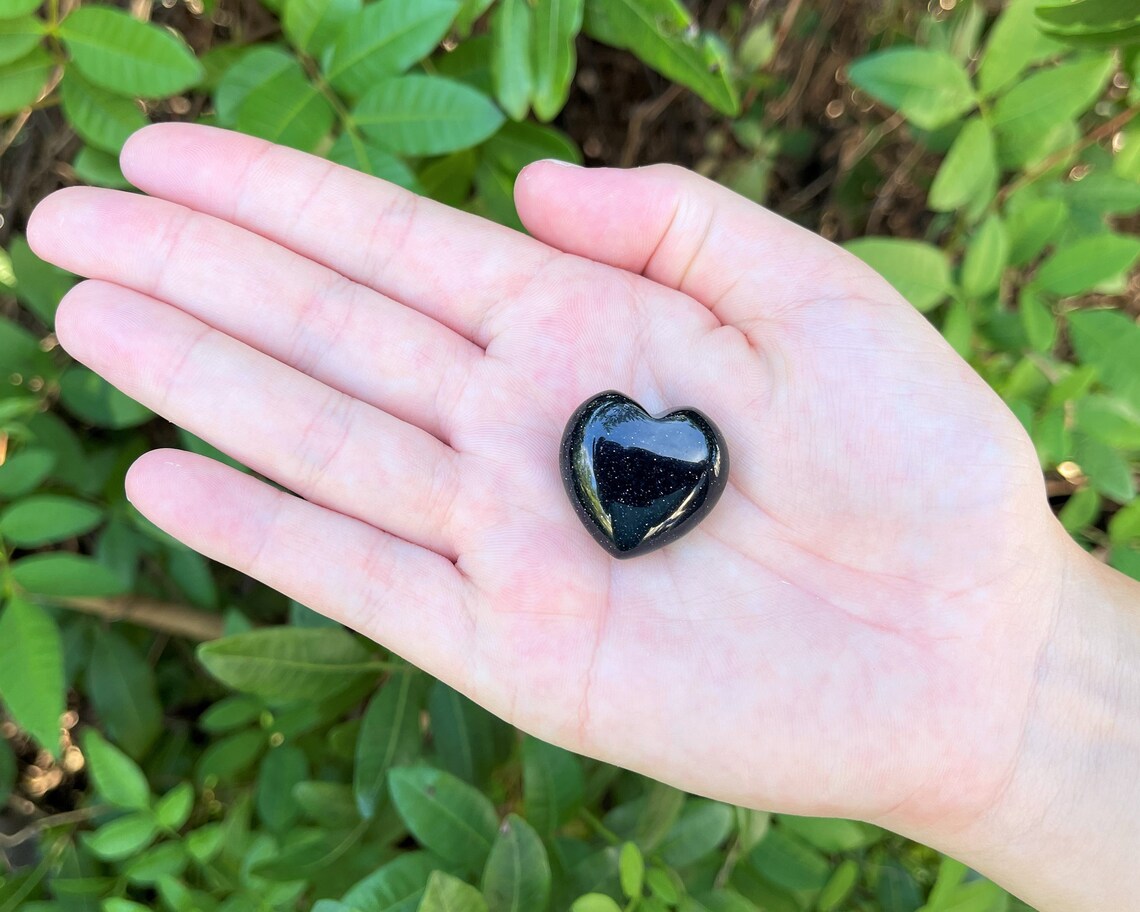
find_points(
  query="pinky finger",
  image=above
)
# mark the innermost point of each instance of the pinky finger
(410, 599)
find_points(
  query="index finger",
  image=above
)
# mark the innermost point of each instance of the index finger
(451, 265)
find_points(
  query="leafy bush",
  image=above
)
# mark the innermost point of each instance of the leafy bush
(310, 768)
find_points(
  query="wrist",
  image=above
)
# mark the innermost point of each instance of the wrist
(1070, 808)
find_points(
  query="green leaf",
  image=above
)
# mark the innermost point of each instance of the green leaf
(286, 663)
(830, 834)
(46, 518)
(1095, 23)
(65, 574)
(1033, 225)
(22, 81)
(445, 814)
(511, 26)
(330, 804)
(102, 118)
(553, 61)
(920, 272)
(958, 328)
(665, 886)
(1126, 162)
(517, 875)
(121, 686)
(99, 168)
(384, 39)
(123, 837)
(23, 471)
(469, 12)
(389, 736)
(662, 807)
(1012, 45)
(595, 902)
(39, 284)
(92, 399)
(1124, 527)
(116, 776)
(1110, 420)
(191, 573)
(664, 36)
(950, 874)
(426, 115)
(282, 769)
(700, 830)
(173, 809)
(1037, 319)
(976, 896)
(114, 904)
(717, 901)
(789, 862)
(125, 55)
(18, 37)
(930, 88)
(969, 170)
(31, 671)
(13, 9)
(1103, 193)
(1110, 341)
(463, 734)
(446, 893)
(1085, 263)
(312, 26)
(1047, 99)
(229, 713)
(1108, 471)
(553, 784)
(286, 108)
(167, 859)
(254, 68)
(230, 758)
(396, 886)
(896, 890)
(631, 870)
(987, 255)
(358, 153)
(516, 145)
(20, 351)
(838, 886)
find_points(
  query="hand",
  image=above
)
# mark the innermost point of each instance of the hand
(853, 631)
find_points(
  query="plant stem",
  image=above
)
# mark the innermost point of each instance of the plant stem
(600, 828)
(1051, 161)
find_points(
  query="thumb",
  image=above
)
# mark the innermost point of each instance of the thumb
(686, 232)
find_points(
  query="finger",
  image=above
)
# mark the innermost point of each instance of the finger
(328, 447)
(450, 265)
(409, 598)
(289, 307)
(684, 231)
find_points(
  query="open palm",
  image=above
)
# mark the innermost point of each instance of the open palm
(829, 640)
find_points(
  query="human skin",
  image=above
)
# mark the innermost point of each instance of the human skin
(880, 619)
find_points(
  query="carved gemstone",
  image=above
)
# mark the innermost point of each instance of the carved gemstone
(638, 482)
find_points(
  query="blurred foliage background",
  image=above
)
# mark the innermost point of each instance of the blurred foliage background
(178, 737)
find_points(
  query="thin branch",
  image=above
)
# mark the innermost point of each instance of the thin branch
(1051, 161)
(177, 620)
(33, 829)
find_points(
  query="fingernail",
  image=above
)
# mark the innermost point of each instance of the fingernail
(559, 162)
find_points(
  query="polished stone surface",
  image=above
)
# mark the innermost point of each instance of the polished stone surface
(638, 482)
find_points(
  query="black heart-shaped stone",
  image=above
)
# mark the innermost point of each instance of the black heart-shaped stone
(637, 481)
